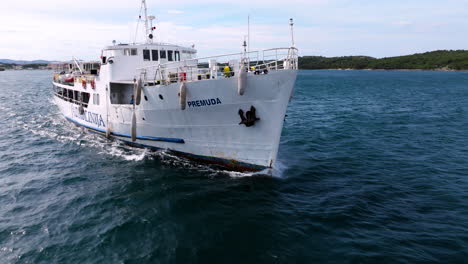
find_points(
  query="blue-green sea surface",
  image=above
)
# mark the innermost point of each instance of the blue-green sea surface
(373, 168)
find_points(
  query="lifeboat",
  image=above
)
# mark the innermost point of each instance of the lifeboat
(69, 79)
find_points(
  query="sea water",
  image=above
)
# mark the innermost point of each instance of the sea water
(373, 167)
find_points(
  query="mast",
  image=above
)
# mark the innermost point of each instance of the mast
(148, 20)
(248, 33)
(291, 23)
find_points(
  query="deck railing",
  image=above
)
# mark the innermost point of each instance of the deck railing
(77, 78)
(214, 67)
(60, 95)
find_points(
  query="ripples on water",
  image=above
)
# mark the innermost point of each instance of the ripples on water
(372, 168)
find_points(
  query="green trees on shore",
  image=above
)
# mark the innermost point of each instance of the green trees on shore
(435, 60)
(33, 66)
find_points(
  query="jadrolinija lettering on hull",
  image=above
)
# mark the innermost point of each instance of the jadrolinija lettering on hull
(224, 109)
(90, 117)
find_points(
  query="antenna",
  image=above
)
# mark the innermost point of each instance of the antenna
(245, 45)
(145, 10)
(291, 23)
(248, 33)
(151, 36)
(148, 29)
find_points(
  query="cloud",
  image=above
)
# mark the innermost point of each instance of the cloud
(402, 23)
(58, 38)
(105, 5)
(53, 29)
(175, 12)
(49, 38)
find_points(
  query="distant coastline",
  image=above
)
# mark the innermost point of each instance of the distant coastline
(338, 69)
(9, 64)
(36, 66)
(441, 60)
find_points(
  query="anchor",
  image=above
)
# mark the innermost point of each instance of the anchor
(250, 118)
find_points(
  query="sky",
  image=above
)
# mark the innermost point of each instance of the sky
(60, 30)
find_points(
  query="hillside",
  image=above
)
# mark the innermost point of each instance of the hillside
(33, 66)
(435, 60)
(21, 62)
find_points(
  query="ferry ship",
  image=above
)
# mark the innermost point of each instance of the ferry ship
(227, 109)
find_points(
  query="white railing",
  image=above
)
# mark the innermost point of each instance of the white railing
(221, 66)
(71, 79)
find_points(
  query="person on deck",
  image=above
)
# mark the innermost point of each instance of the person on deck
(132, 101)
(227, 71)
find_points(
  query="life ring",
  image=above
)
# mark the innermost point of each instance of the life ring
(83, 82)
(93, 84)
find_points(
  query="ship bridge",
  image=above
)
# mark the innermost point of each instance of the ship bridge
(122, 60)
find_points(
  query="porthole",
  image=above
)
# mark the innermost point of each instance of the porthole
(161, 97)
(146, 98)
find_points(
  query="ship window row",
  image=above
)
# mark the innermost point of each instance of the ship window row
(154, 55)
(76, 97)
(130, 52)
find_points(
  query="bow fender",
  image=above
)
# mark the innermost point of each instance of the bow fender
(242, 80)
(183, 95)
(134, 126)
(137, 91)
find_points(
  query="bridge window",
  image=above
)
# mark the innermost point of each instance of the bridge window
(177, 56)
(130, 52)
(146, 55)
(155, 55)
(169, 55)
(162, 54)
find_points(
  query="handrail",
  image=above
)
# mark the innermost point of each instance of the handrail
(72, 100)
(258, 62)
(144, 43)
(216, 56)
(77, 65)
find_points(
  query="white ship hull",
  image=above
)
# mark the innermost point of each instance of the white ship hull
(207, 129)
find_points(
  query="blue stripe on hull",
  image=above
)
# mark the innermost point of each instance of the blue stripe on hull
(231, 164)
(163, 139)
